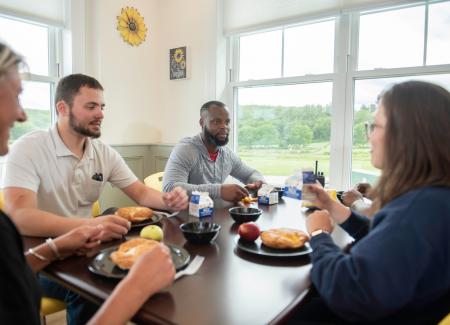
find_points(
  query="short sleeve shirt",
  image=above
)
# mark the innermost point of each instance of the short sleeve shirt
(65, 184)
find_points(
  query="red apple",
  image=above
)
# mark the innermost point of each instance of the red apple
(249, 231)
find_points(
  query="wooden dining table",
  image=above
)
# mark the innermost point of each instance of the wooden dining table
(231, 287)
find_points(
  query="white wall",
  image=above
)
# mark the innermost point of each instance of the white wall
(142, 104)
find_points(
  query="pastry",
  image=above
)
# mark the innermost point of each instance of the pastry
(130, 251)
(135, 214)
(249, 199)
(284, 238)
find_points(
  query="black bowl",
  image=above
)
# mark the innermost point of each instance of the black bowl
(200, 232)
(241, 215)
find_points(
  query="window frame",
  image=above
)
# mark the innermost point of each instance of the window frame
(55, 57)
(344, 75)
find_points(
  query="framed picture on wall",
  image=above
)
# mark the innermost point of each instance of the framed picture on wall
(177, 58)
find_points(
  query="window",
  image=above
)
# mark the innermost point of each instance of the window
(296, 91)
(40, 72)
(284, 128)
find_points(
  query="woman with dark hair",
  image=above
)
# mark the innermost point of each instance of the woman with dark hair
(20, 296)
(398, 270)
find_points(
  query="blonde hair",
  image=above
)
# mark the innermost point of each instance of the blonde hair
(8, 59)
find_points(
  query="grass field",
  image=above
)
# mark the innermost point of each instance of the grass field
(283, 162)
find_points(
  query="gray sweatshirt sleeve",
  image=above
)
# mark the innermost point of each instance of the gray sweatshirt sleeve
(181, 161)
(243, 172)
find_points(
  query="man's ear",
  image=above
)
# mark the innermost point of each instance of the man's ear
(201, 122)
(62, 108)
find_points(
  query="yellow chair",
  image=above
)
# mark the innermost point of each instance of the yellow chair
(96, 209)
(50, 306)
(154, 181)
(445, 321)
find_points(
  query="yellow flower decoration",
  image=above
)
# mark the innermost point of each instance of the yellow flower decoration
(131, 26)
(178, 55)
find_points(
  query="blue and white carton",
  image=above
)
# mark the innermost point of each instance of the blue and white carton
(293, 187)
(267, 195)
(201, 205)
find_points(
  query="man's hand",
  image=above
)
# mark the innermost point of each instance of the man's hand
(176, 200)
(319, 220)
(79, 241)
(351, 196)
(114, 227)
(232, 192)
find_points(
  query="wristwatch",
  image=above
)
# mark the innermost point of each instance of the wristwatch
(318, 232)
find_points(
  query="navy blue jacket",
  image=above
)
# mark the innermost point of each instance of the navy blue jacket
(400, 263)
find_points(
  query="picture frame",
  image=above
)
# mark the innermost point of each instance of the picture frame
(177, 61)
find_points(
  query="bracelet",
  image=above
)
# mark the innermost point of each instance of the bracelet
(53, 247)
(38, 256)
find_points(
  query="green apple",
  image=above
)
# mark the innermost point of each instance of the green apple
(152, 232)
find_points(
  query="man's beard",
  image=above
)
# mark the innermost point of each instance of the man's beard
(77, 127)
(214, 139)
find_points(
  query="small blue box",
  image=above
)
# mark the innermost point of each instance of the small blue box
(292, 192)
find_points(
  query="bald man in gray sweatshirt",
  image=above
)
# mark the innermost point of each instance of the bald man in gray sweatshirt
(203, 162)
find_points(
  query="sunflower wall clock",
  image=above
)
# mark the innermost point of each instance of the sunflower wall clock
(131, 26)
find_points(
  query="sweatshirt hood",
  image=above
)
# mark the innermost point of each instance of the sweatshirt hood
(198, 142)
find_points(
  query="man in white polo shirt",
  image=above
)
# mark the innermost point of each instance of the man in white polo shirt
(52, 178)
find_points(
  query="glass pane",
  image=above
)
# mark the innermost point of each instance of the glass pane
(366, 93)
(438, 48)
(35, 99)
(391, 39)
(260, 56)
(29, 40)
(309, 49)
(281, 129)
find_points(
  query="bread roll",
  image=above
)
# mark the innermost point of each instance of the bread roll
(284, 238)
(130, 251)
(135, 214)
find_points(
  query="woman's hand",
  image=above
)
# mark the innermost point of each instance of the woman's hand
(79, 241)
(338, 212)
(319, 220)
(323, 200)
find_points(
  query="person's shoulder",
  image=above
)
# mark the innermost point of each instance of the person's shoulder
(420, 204)
(36, 136)
(436, 196)
(187, 144)
(28, 143)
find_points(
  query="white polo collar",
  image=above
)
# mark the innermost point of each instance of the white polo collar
(62, 150)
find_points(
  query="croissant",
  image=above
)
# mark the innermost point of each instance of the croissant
(130, 251)
(135, 214)
(284, 238)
